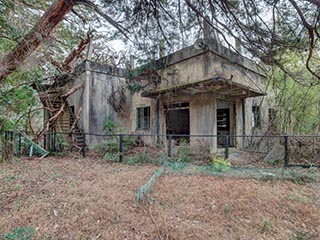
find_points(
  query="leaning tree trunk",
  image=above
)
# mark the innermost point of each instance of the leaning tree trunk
(48, 22)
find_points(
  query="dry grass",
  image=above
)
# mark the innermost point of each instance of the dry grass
(205, 207)
(90, 199)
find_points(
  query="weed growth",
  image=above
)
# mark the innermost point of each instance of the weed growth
(220, 164)
(22, 233)
(266, 226)
(227, 209)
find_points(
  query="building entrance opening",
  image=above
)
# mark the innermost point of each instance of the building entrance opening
(177, 119)
(225, 122)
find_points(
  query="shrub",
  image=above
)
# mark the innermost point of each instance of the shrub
(184, 153)
(109, 126)
(140, 157)
(108, 146)
(220, 164)
(201, 152)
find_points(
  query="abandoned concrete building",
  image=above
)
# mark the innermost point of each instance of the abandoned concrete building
(199, 90)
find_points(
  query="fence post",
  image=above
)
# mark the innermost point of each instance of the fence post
(286, 153)
(84, 145)
(226, 152)
(120, 148)
(19, 145)
(170, 146)
(45, 142)
(54, 141)
(49, 141)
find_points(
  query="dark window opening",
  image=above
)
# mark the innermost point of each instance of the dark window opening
(143, 118)
(178, 120)
(256, 117)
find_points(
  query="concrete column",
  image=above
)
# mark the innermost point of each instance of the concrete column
(86, 100)
(239, 122)
(203, 120)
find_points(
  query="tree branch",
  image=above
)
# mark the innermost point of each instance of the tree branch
(32, 41)
(105, 16)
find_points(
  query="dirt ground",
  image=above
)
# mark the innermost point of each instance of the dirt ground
(92, 199)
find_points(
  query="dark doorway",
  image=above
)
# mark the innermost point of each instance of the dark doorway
(177, 119)
(225, 122)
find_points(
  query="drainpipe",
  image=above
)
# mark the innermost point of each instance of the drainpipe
(158, 119)
(243, 121)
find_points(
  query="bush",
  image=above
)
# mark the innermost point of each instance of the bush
(109, 148)
(106, 147)
(220, 164)
(140, 157)
(184, 153)
(201, 152)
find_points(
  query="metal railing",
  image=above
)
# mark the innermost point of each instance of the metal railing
(294, 150)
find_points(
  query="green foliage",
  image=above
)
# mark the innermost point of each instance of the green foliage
(109, 148)
(266, 226)
(128, 142)
(140, 158)
(300, 178)
(227, 209)
(275, 162)
(133, 87)
(303, 235)
(110, 145)
(16, 99)
(184, 153)
(297, 100)
(144, 158)
(145, 72)
(22, 233)
(143, 190)
(177, 166)
(111, 157)
(109, 126)
(6, 124)
(137, 72)
(220, 164)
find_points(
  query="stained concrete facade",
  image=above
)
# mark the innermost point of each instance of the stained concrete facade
(201, 80)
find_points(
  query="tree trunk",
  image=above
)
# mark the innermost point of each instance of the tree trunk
(48, 22)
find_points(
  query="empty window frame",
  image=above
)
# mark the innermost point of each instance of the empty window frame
(143, 118)
(256, 117)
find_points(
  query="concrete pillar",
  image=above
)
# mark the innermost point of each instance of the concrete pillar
(203, 120)
(86, 100)
(239, 122)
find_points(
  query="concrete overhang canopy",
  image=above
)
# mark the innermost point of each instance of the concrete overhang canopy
(217, 85)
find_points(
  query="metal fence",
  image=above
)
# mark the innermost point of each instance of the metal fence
(241, 150)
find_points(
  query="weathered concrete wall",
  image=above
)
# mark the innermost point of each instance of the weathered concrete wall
(138, 102)
(77, 99)
(100, 83)
(190, 65)
(203, 119)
